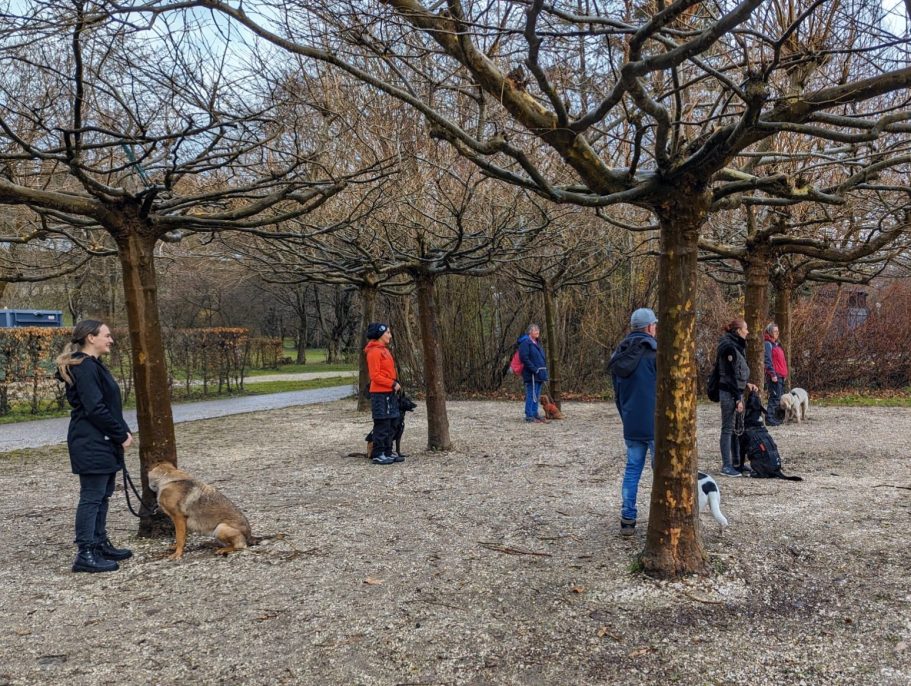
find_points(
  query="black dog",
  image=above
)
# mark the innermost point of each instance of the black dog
(757, 445)
(406, 404)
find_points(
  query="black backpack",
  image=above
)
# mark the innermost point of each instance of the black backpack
(712, 386)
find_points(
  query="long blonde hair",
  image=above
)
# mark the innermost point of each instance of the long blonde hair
(67, 358)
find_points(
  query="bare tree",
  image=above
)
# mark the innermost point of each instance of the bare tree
(850, 243)
(664, 106)
(121, 134)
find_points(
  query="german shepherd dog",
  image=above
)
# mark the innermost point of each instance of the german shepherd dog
(196, 506)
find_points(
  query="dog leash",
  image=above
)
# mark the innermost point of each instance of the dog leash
(126, 491)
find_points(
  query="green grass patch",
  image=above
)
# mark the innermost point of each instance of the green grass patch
(302, 368)
(863, 400)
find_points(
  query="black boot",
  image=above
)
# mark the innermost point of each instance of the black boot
(88, 560)
(107, 550)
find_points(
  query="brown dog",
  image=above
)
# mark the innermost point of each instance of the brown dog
(196, 506)
(551, 411)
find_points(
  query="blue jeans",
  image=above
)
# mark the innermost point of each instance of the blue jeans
(92, 512)
(635, 462)
(532, 393)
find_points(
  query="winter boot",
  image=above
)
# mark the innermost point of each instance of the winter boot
(88, 560)
(107, 550)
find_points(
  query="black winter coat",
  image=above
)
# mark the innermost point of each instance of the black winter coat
(734, 372)
(97, 428)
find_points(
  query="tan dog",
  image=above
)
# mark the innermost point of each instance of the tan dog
(196, 506)
(551, 411)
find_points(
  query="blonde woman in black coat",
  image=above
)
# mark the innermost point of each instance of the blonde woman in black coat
(97, 438)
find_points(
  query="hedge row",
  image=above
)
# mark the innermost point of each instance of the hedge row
(214, 360)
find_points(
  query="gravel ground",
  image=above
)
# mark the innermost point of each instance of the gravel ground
(497, 563)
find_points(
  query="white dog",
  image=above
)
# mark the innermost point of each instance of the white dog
(711, 496)
(795, 405)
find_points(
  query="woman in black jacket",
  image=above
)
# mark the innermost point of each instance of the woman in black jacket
(97, 438)
(734, 375)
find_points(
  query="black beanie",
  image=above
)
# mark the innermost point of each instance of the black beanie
(376, 330)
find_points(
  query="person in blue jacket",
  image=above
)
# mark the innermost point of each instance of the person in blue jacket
(97, 438)
(534, 370)
(634, 374)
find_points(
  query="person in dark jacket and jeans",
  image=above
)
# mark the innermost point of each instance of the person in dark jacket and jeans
(384, 404)
(534, 371)
(634, 375)
(97, 438)
(776, 371)
(733, 380)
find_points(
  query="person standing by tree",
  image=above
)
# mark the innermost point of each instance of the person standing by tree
(733, 380)
(634, 376)
(534, 370)
(97, 438)
(383, 386)
(776, 371)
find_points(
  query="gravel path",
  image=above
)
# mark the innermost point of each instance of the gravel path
(496, 563)
(51, 431)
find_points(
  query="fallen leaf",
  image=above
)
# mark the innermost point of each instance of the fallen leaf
(578, 589)
(23, 632)
(605, 631)
(373, 582)
(639, 652)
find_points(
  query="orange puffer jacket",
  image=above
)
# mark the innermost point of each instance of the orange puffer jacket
(380, 366)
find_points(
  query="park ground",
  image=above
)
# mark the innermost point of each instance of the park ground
(496, 563)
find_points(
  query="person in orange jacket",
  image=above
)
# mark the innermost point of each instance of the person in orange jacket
(383, 386)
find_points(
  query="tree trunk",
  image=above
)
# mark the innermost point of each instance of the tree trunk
(673, 545)
(302, 327)
(368, 312)
(783, 297)
(150, 372)
(756, 311)
(437, 420)
(553, 348)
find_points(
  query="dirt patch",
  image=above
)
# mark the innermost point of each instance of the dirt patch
(497, 563)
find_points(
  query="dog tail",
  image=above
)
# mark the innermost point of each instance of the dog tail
(788, 478)
(715, 505)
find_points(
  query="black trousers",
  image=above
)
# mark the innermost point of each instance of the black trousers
(385, 410)
(92, 512)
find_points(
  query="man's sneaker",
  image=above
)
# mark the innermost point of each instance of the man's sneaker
(627, 527)
(383, 459)
(730, 471)
(396, 457)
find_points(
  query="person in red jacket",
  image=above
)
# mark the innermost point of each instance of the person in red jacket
(383, 386)
(776, 371)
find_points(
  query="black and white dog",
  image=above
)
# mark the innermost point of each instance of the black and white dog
(711, 496)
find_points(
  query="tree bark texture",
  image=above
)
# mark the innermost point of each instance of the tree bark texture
(435, 385)
(368, 312)
(673, 544)
(756, 310)
(157, 443)
(553, 348)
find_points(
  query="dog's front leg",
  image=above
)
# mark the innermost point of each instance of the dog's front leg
(180, 536)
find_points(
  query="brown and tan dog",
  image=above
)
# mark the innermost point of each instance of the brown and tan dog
(551, 411)
(195, 506)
